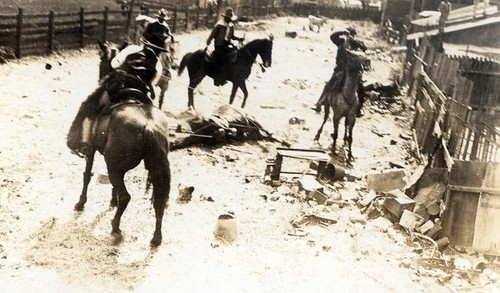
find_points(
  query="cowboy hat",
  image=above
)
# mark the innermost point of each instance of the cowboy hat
(229, 14)
(156, 41)
(163, 14)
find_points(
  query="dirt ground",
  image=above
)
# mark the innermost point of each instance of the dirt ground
(46, 245)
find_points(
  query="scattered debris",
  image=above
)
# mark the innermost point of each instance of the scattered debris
(397, 203)
(310, 219)
(292, 34)
(185, 193)
(410, 220)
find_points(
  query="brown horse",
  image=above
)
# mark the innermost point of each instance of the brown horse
(237, 72)
(125, 134)
(345, 102)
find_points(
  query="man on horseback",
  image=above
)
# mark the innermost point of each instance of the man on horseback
(160, 26)
(224, 51)
(137, 69)
(345, 41)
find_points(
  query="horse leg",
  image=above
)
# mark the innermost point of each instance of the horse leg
(89, 161)
(161, 189)
(192, 86)
(114, 198)
(350, 127)
(234, 89)
(325, 117)
(116, 178)
(243, 88)
(335, 133)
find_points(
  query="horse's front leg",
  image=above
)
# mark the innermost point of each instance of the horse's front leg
(350, 127)
(234, 89)
(325, 117)
(192, 85)
(243, 87)
(335, 133)
(87, 175)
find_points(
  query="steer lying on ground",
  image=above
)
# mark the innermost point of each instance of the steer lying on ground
(225, 125)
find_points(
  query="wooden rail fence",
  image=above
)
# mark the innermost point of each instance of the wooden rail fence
(44, 33)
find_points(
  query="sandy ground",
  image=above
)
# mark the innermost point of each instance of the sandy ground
(45, 245)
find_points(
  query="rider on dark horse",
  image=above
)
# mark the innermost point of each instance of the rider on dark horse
(224, 52)
(137, 69)
(345, 41)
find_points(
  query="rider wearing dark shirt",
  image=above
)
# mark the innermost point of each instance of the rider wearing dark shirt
(222, 34)
(345, 41)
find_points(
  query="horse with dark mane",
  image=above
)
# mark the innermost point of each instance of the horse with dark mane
(109, 50)
(345, 102)
(237, 72)
(126, 134)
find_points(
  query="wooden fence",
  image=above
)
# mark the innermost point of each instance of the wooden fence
(44, 33)
(449, 116)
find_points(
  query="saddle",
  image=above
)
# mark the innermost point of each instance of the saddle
(121, 85)
(232, 55)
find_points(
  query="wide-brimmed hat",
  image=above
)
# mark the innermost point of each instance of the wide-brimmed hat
(155, 41)
(229, 14)
(163, 14)
(351, 31)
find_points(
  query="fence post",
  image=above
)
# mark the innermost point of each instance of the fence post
(82, 29)
(187, 18)
(105, 24)
(174, 26)
(197, 23)
(50, 46)
(19, 32)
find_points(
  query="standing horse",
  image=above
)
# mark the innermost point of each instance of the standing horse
(237, 72)
(126, 134)
(109, 51)
(345, 102)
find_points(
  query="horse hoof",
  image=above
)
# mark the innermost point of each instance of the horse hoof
(155, 242)
(117, 238)
(79, 207)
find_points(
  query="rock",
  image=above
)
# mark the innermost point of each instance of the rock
(381, 223)
(405, 263)
(283, 189)
(309, 183)
(368, 198)
(358, 218)
(442, 243)
(185, 193)
(491, 275)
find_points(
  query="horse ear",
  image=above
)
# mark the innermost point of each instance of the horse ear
(101, 45)
(271, 37)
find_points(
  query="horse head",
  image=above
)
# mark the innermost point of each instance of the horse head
(107, 52)
(267, 52)
(357, 62)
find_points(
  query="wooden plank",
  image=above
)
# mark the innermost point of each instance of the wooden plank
(460, 218)
(486, 236)
(467, 173)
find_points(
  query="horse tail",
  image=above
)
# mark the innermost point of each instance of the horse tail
(156, 160)
(183, 64)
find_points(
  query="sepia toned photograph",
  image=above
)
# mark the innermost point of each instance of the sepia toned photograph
(249, 146)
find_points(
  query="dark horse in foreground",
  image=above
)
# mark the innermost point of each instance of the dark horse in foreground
(126, 134)
(345, 102)
(237, 72)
